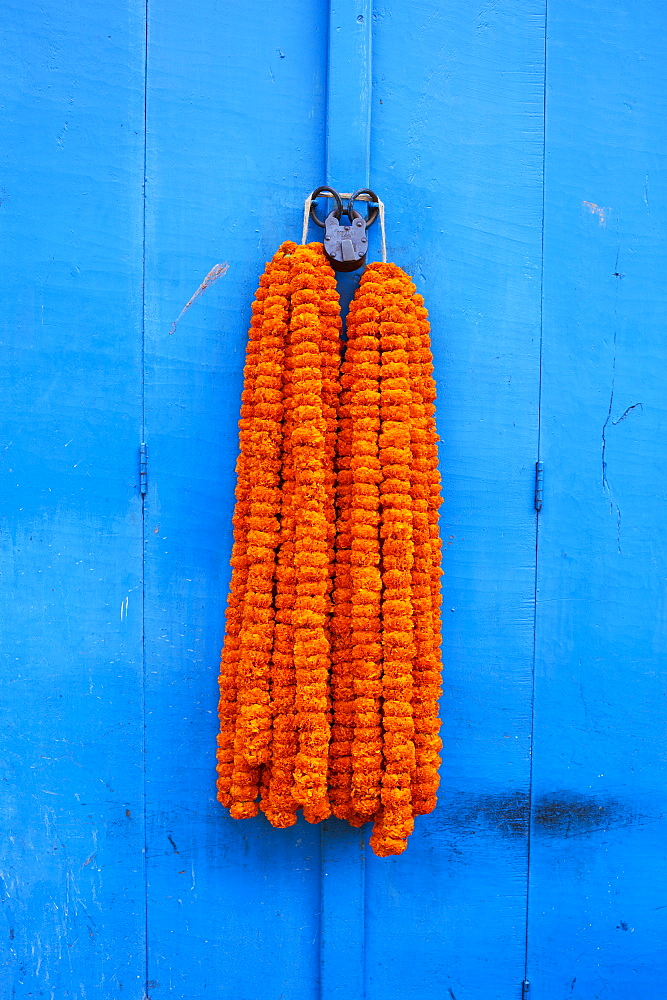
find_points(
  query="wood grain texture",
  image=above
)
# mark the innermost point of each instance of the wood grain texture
(457, 155)
(235, 105)
(343, 911)
(72, 829)
(349, 86)
(103, 711)
(348, 154)
(597, 917)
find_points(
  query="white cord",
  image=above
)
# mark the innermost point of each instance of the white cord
(383, 234)
(306, 218)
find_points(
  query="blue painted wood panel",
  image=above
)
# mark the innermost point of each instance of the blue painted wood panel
(72, 863)
(537, 242)
(457, 154)
(248, 873)
(598, 921)
(235, 126)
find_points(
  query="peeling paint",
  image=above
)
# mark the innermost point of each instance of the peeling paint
(601, 212)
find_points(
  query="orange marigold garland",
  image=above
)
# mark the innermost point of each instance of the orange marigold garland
(342, 685)
(435, 498)
(263, 455)
(398, 642)
(227, 708)
(311, 277)
(330, 672)
(279, 804)
(426, 570)
(362, 363)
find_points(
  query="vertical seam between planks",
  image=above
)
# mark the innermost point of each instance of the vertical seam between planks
(321, 955)
(327, 96)
(325, 161)
(537, 514)
(364, 925)
(340, 72)
(143, 499)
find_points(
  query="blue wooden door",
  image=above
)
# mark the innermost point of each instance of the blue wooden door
(596, 916)
(73, 893)
(518, 153)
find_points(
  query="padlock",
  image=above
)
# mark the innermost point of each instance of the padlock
(345, 246)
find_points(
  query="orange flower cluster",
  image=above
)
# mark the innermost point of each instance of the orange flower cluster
(274, 678)
(389, 554)
(330, 671)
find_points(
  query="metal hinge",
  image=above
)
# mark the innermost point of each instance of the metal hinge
(525, 986)
(143, 468)
(539, 483)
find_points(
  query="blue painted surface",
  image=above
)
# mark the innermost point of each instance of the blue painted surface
(349, 94)
(122, 876)
(457, 154)
(73, 895)
(235, 124)
(598, 883)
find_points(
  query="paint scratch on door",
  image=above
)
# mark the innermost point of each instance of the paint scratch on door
(213, 275)
(598, 210)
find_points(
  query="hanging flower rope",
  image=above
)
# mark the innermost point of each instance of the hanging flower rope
(277, 803)
(227, 708)
(263, 457)
(426, 571)
(362, 364)
(330, 671)
(311, 276)
(342, 685)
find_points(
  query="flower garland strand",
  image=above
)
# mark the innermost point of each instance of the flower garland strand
(227, 707)
(362, 362)
(277, 803)
(330, 358)
(398, 644)
(342, 687)
(263, 456)
(311, 276)
(330, 672)
(435, 497)
(427, 668)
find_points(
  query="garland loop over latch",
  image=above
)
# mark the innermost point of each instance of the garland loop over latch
(345, 246)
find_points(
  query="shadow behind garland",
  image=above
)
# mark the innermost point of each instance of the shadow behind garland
(330, 671)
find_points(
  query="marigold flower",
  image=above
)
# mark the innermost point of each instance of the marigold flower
(263, 452)
(312, 449)
(362, 364)
(278, 803)
(227, 707)
(425, 575)
(330, 670)
(342, 687)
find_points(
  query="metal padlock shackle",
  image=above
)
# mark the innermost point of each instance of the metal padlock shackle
(349, 209)
(345, 246)
(363, 194)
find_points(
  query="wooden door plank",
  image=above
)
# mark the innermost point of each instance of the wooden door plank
(73, 146)
(236, 97)
(343, 902)
(349, 85)
(598, 875)
(348, 134)
(457, 146)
